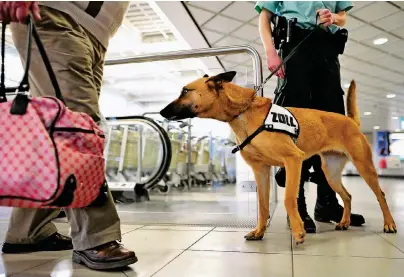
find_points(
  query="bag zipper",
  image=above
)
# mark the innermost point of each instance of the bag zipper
(76, 130)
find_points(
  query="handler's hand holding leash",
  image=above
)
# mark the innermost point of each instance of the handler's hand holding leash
(325, 17)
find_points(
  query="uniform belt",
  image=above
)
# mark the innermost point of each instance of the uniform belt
(320, 40)
(319, 35)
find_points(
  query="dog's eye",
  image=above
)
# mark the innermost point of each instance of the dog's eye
(185, 91)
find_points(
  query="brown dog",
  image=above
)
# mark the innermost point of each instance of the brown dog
(336, 138)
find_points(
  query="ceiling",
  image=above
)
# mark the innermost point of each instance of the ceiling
(377, 69)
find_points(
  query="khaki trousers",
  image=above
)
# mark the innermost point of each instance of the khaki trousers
(78, 60)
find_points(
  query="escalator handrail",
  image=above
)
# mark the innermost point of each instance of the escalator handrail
(167, 152)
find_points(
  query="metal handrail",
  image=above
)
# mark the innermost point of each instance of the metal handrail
(206, 52)
(198, 53)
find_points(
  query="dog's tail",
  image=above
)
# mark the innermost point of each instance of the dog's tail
(352, 107)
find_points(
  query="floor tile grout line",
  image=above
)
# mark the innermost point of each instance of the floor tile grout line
(378, 234)
(210, 231)
(297, 254)
(292, 255)
(181, 253)
(132, 230)
(19, 273)
(347, 256)
(390, 243)
(233, 251)
(242, 231)
(169, 262)
(168, 229)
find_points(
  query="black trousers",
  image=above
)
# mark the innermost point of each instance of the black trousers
(312, 80)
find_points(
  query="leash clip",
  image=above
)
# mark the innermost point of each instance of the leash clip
(257, 88)
(236, 149)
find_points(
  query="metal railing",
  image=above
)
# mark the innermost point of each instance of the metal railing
(206, 52)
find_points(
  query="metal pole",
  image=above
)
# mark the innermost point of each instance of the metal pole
(106, 150)
(140, 155)
(123, 148)
(189, 158)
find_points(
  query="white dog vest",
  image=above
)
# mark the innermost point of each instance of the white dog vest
(282, 120)
(278, 119)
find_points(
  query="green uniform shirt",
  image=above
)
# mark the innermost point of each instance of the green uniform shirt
(304, 11)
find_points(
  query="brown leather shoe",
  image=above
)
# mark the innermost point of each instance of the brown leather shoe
(111, 255)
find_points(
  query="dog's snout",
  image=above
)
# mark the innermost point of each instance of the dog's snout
(168, 111)
(175, 111)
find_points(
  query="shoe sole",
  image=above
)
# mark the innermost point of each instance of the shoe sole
(24, 249)
(82, 259)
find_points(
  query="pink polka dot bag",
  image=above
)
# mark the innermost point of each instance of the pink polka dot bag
(50, 156)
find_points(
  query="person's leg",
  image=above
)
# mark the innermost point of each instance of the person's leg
(328, 96)
(32, 230)
(295, 91)
(73, 55)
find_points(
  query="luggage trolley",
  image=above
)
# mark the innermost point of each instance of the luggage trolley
(121, 167)
(218, 157)
(203, 168)
(137, 157)
(230, 162)
(173, 177)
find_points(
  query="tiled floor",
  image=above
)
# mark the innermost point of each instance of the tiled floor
(181, 251)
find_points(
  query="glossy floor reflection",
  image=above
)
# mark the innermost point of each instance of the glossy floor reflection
(183, 251)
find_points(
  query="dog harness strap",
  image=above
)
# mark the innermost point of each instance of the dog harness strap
(248, 140)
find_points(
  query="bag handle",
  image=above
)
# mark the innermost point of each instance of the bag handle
(32, 31)
(3, 97)
(24, 84)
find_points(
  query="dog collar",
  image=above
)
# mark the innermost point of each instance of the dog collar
(279, 120)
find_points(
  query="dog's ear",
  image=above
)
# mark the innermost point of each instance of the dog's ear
(226, 77)
(217, 80)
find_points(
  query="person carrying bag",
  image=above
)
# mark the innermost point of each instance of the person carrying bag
(51, 157)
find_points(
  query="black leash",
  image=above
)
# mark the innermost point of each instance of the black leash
(257, 88)
(24, 84)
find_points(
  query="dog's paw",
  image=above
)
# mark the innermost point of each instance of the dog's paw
(254, 235)
(390, 228)
(342, 226)
(299, 237)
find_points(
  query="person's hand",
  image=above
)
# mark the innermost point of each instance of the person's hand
(273, 61)
(325, 17)
(18, 11)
